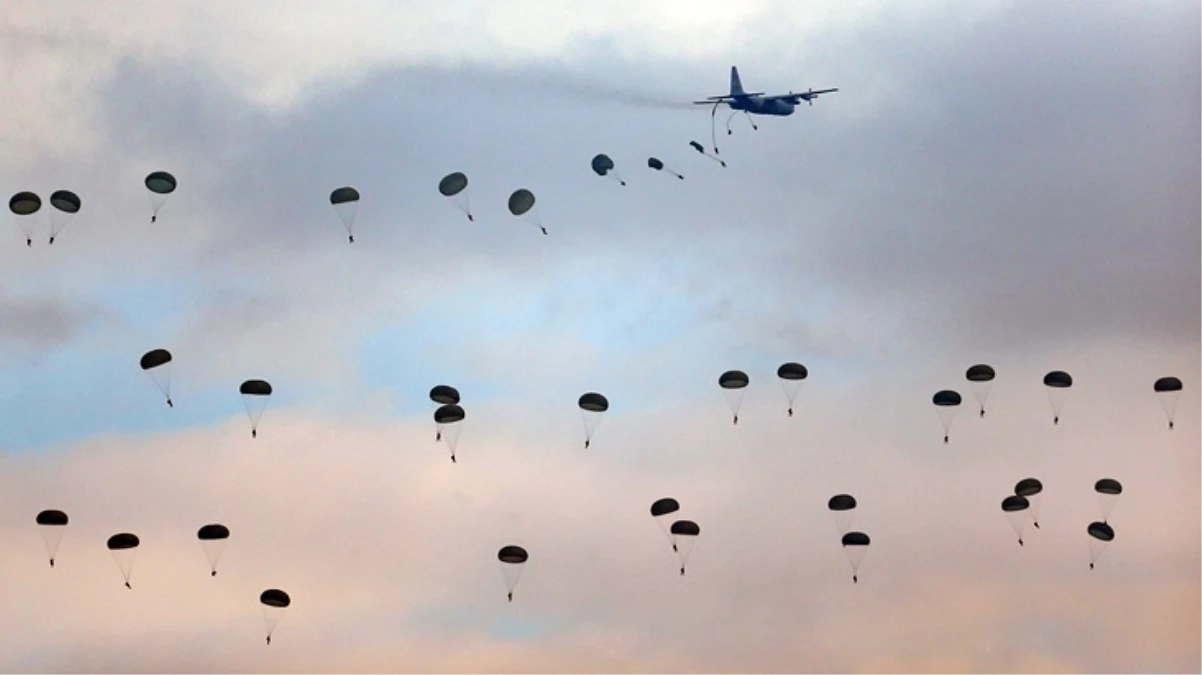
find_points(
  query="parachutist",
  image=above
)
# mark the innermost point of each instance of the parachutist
(586, 445)
(1091, 566)
(1170, 426)
(675, 549)
(170, 404)
(855, 579)
(682, 571)
(736, 420)
(213, 574)
(28, 242)
(352, 238)
(543, 229)
(623, 183)
(128, 586)
(1056, 420)
(945, 439)
(1020, 541)
(790, 412)
(52, 562)
(51, 240)
(510, 595)
(254, 433)
(453, 460)
(153, 218)
(982, 412)
(1037, 524)
(438, 437)
(470, 219)
(268, 640)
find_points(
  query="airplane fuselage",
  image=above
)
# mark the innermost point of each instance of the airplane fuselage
(758, 106)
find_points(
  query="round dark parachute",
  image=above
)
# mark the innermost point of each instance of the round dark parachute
(980, 373)
(1028, 487)
(947, 397)
(855, 539)
(655, 164)
(24, 203)
(452, 184)
(274, 597)
(1100, 531)
(1108, 486)
(792, 371)
(161, 183)
(662, 507)
(1058, 379)
(513, 555)
(344, 195)
(733, 379)
(602, 164)
(685, 528)
(65, 201)
(123, 541)
(444, 395)
(52, 517)
(1167, 384)
(448, 414)
(521, 201)
(593, 402)
(255, 388)
(155, 358)
(841, 503)
(213, 532)
(1015, 503)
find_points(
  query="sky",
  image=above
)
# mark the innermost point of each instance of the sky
(1006, 183)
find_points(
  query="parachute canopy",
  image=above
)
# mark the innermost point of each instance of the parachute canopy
(255, 388)
(841, 503)
(452, 184)
(274, 597)
(161, 183)
(1108, 486)
(1167, 384)
(662, 507)
(65, 201)
(1058, 379)
(685, 528)
(344, 195)
(697, 146)
(1015, 503)
(792, 371)
(1028, 487)
(593, 402)
(980, 373)
(155, 358)
(123, 541)
(733, 379)
(946, 397)
(521, 201)
(444, 394)
(448, 414)
(24, 203)
(513, 555)
(213, 532)
(602, 164)
(1100, 531)
(52, 517)
(855, 539)
(655, 164)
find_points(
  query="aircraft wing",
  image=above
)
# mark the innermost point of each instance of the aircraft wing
(727, 97)
(799, 96)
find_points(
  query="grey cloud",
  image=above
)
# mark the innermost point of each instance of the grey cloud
(42, 323)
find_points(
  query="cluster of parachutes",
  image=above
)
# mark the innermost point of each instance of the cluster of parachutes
(980, 377)
(156, 363)
(25, 207)
(1023, 505)
(124, 548)
(681, 534)
(855, 544)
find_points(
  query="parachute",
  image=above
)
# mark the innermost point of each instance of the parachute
(513, 559)
(1100, 534)
(66, 204)
(855, 545)
(1108, 490)
(1168, 389)
(161, 184)
(946, 402)
(659, 166)
(1015, 508)
(791, 374)
(254, 397)
(683, 547)
(212, 540)
(274, 603)
(521, 202)
(604, 166)
(980, 377)
(1031, 488)
(733, 382)
(448, 418)
(124, 548)
(25, 206)
(842, 508)
(54, 524)
(454, 186)
(1058, 383)
(664, 507)
(157, 364)
(443, 395)
(345, 201)
(698, 147)
(592, 407)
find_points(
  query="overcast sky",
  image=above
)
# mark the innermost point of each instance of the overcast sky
(1009, 184)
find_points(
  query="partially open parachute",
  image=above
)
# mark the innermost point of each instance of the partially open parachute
(659, 166)
(454, 187)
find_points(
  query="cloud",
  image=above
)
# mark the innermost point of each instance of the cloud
(39, 324)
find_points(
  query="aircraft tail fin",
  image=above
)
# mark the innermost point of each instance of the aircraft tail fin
(736, 85)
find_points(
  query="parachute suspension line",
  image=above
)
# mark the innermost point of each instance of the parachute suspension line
(713, 122)
(467, 207)
(732, 116)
